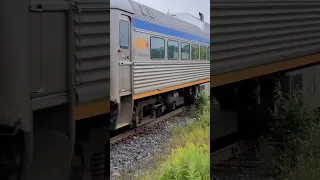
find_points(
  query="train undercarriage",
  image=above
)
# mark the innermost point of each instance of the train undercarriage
(50, 152)
(148, 108)
(243, 110)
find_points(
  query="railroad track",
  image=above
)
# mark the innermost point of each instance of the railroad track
(139, 129)
(231, 161)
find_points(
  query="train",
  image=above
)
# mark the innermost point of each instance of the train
(158, 62)
(73, 70)
(55, 88)
(256, 45)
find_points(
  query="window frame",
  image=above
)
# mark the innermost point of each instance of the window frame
(164, 48)
(122, 47)
(198, 52)
(168, 50)
(205, 52)
(189, 50)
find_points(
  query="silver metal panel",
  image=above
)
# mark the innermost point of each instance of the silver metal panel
(154, 75)
(248, 33)
(150, 74)
(15, 95)
(92, 28)
(47, 53)
(114, 47)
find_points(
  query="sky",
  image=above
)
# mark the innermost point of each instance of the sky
(181, 6)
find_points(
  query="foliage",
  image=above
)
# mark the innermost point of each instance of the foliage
(293, 135)
(308, 166)
(195, 52)
(189, 163)
(203, 53)
(201, 106)
(188, 157)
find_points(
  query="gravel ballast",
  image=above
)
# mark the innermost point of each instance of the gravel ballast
(135, 153)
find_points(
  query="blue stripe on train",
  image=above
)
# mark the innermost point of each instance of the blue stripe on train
(167, 31)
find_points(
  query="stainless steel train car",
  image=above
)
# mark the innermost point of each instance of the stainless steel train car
(254, 43)
(54, 94)
(157, 62)
(259, 37)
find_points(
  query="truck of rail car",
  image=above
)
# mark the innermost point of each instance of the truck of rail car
(157, 62)
(54, 94)
(254, 45)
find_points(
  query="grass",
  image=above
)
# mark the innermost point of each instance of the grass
(189, 162)
(187, 154)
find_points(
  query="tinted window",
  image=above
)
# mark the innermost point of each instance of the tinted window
(203, 53)
(195, 52)
(185, 51)
(157, 48)
(208, 53)
(173, 50)
(124, 34)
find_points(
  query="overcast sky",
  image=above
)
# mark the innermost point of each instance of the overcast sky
(181, 6)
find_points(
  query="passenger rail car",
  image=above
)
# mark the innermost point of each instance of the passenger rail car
(157, 62)
(54, 94)
(259, 37)
(254, 44)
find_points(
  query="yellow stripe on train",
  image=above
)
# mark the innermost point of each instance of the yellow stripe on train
(230, 77)
(154, 92)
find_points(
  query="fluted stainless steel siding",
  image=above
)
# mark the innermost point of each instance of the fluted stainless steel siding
(153, 75)
(248, 33)
(159, 74)
(92, 28)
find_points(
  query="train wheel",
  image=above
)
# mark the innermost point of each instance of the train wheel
(159, 111)
(172, 106)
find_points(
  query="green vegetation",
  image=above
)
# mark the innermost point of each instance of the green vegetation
(190, 162)
(187, 155)
(195, 52)
(203, 53)
(291, 148)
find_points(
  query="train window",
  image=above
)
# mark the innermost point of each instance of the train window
(195, 52)
(157, 48)
(124, 34)
(203, 53)
(173, 49)
(185, 51)
(208, 53)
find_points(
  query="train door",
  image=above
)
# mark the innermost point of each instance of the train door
(125, 55)
(125, 69)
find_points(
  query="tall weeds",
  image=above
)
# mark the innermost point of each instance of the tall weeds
(189, 148)
(293, 142)
(187, 163)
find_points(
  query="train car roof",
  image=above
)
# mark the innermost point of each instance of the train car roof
(204, 26)
(123, 5)
(150, 15)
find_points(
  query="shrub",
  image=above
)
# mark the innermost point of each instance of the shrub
(187, 155)
(288, 144)
(191, 158)
(189, 163)
(201, 109)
